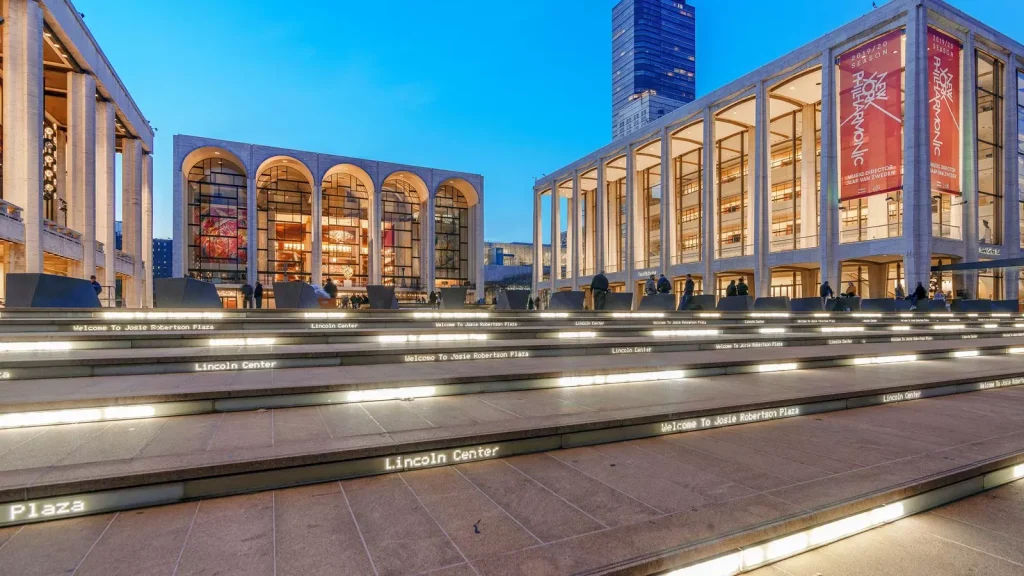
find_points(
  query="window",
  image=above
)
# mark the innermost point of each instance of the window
(284, 210)
(345, 230)
(990, 190)
(1020, 149)
(217, 225)
(689, 174)
(733, 197)
(451, 236)
(400, 234)
(785, 177)
(616, 198)
(650, 184)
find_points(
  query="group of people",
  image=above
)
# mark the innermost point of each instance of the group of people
(919, 294)
(599, 288)
(738, 289)
(249, 294)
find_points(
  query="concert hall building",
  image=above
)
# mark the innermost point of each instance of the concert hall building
(882, 149)
(245, 212)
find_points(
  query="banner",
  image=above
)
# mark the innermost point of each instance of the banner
(871, 117)
(944, 111)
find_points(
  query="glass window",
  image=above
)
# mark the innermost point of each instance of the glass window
(1020, 149)
(650, 184)
(451, 237)
(400, 234)
(345, 230)
(990, 148)
(616, 198)
(733, 197)
(284, 202)
(784, 173)
(218, 225)
(689, 173)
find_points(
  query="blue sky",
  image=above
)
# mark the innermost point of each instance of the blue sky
(510, 90)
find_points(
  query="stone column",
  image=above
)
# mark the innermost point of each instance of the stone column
(969, 145)
(131, 215)
(252, 233)
(917, 227)
(82, 165)
(828, 195)
(556, 237)
(147, 227)
(762, 186)
(23, 121)
(1011, 196)
(807, 234)
(601, 218)
(708, 203)
(477, 247)
(668, 203)
(429, 265)
(106, 195)
(538, 242)
(376, 262)
(316, 235)
(629, 243)
(575, 233)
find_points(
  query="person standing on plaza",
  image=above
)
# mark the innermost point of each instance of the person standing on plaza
(331, 288)
(826, 292)
(664, 286)
(899, 292)
(258, 294)
(687, 293)
(599, 288)
(919, 294)
(432, 301)
(742, 289)
(650, 288)
(731, 290)
(246, 295)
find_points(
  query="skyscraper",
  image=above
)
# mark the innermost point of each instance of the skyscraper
(653, 61)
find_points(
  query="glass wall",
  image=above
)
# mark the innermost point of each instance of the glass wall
(400, 234)
(857, 275)
(588, 219)
(1020, 150)
(990, 149)
(784, 171)
(650, 185)
(734, 238)
(284, 202)
(345, 223)
(218, 222)
(451, 237)
(689, 173)
(615, 260)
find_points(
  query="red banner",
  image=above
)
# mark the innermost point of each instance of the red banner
(944, 111)
(871, 117)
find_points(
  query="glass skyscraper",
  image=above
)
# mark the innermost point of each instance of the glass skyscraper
(653, 61)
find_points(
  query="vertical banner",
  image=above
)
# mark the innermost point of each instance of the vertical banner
(944, 111)
(871, 117)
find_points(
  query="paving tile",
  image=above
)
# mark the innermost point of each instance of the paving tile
(146, 541)
(443, 411)
(395, 416)
(348, 420)
(316, 533)
(299, 425)
(473, 522)
(243, 430)
(118, 440)
(49, 447)
(51, 547)
(232, 535)
(770, 464)
(754, 439)
(729, 471)
(183, 435)
(545, 515)
(400, 534)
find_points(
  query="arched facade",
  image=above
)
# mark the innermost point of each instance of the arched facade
(452, 232)
(401, 202)
(216, 217)
(346, 202)
(284, 222)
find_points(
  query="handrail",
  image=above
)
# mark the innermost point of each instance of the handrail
(62, 231)
(10, 211)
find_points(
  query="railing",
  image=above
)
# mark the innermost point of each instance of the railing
(126, 258)
(881, 232)
(734, 250)
(62, 231)
(945, 231)
(10, 211)
(784, 243)
(100, 246)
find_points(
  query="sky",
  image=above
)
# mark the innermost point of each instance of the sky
(509, 90)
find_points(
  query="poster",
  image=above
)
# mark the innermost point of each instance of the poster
(871, 117)
(944, 111)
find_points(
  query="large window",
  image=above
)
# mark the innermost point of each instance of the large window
(1020, 149)
(784, 171)
(734, 238)
(990, 150)
(284, 207)
(451, 237)
(400, 234)
(345, 230)
(217, 225)
(689, 173)
(650, 184)
(588, 198)
(616, 198)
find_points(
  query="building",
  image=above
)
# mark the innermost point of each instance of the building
(373, 217)
(513, 254)
(66, 115)
(163, 248)
(653, 61)
(118, 236)
(866, 157)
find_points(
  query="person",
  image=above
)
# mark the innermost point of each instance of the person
(851, 291)
(664, 286)
(331, 288)
(599, 287)
(433, 299)
(321, 294)
(826, 291)
(95, 285)
(986, 233)
(919, 294)
(650, 288)
(742, 289)
(536, 303)
(344, 301)
(687, 293)
(246, 295)
(529, 303)
(730, 290)
(899, 292)
(949, 301)
(257, 292)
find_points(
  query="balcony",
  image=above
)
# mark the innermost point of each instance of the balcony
(62, 232)
(10, 211)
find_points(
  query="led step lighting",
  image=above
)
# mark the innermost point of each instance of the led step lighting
(772, 330)
(778, 367)
(576, 334)
(450, 315)
(965, 353)
(628, 378)
(638, 315)
(242, 341)
(554, 314)
(709, 315)
(162, 315)
(35, 346)
(390, 394)
(769, 314)
(834, 329)
(670, 333)
(78, 416)
(990, 326)
(324, 315)
(885, 359)
(948, 326)
(900, 328)
(399, 338)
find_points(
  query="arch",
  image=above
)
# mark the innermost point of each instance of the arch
(402, 197)
(284, 220)
(216, 195)
(346, 199)
(462, 185)
(451, 233)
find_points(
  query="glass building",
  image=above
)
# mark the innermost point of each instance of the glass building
(653, 61)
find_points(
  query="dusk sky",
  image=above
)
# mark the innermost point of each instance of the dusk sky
(509, 90)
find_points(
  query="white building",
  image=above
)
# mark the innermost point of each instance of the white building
(868, 156)
(66, 115)
(374, 220)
